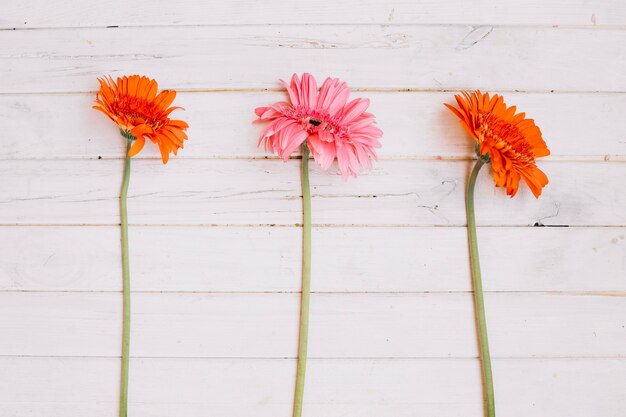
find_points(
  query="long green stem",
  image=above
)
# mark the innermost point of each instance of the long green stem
(126, 287)
(306, 284)
(479, 304)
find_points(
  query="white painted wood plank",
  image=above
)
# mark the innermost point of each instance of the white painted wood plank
(75, 387)
(268, 192)
(236, 57)
(39, 13)
(416, 125)
(350, 259)
(342, 326)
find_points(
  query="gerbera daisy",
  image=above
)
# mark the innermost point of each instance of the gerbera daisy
(133, 104)
(324, 123)
(512, 141)
(332, 127)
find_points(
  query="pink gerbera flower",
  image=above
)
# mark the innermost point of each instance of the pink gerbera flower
(333, 127)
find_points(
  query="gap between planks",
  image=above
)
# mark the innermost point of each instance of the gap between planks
(297, 225)
(384, 24)
(331, 358)
(340, 293)
(356, 90)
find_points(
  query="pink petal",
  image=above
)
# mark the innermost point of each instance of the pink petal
(369, 142)
(323, 152)
(370, 131)
(292, 90)
(361, 122)
(260, 110)
(363, 154)
(276, 126)
(297, 88)
(308, 95)
(333, 96)
(354, 109)
(293, 141)
(347, 162)
(272, 112)
(326, 136)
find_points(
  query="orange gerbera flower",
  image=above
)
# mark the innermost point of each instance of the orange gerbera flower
(140, 113)
(512, 141)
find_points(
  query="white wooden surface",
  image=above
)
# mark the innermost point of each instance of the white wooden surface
(215, 251)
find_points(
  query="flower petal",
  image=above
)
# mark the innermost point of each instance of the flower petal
(137, 146)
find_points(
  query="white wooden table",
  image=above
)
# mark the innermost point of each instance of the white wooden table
(215, 236)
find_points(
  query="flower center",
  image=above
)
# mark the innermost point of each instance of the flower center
(139, 111)
(506, 138)
(315, 120)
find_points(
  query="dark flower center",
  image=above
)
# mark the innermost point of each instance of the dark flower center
(315, 122)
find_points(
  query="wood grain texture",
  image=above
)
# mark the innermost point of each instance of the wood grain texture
(346, 259)
(253, 57)
(39, 13)
(342, 325)
(268, 192)
(336, 388)
(416, 125)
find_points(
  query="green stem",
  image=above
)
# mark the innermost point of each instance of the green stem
(126, 287)
(479, 304)
(306, 283)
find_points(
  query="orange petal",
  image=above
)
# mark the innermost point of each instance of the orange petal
(132, 85)
(136, 146)
(172, 137)
(141, 130)
(152, 90)
(179, 123)
(165, 98)
(165, 155)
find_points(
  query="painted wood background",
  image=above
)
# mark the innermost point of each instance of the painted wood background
(215, 235)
